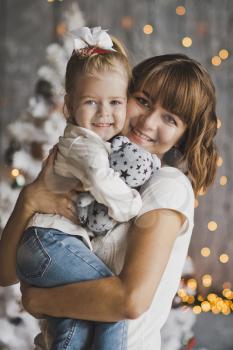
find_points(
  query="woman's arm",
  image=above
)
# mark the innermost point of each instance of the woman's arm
(115, 298)
(33, 198)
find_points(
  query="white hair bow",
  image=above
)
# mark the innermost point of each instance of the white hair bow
(85, 37)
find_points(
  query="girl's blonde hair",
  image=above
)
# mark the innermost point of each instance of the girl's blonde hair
(79, 65)
(182, 86)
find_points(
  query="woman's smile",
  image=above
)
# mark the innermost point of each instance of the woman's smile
(139, 137)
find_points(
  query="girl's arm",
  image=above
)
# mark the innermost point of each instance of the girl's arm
(126, 296)
(33, 198)
(88, 160)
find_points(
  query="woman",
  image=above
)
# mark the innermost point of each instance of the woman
(171, 108)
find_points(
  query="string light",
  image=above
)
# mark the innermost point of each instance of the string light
(181, 293)
(187, 41)
(180, 10)
(223, 180)
(15, 172)
(197, 309)
(223, 54)
(212, 226)
(216, 60)
(148, 29)
(205, 251)
(224, 258)
(191, 299)
(227, 293)
(205, 306)
(212, 297)
(192, 284)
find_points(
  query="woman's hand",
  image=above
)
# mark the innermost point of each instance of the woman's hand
(43, 196)
(28, 298)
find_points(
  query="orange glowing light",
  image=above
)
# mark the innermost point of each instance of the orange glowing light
(180, 10)
(148, 29)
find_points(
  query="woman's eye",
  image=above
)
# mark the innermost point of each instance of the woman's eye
(170, 119)
(143, 101)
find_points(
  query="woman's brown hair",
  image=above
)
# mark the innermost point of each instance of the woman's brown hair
(182, 86)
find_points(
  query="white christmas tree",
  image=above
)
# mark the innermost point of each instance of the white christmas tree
(30, 138)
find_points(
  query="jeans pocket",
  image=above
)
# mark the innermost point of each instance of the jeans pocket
(32, 258)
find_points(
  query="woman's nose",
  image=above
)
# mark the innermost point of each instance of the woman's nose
(150, 120)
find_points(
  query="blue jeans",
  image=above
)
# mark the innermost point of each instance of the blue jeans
(47, 258)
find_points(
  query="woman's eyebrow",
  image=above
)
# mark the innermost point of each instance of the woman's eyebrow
(146, 94)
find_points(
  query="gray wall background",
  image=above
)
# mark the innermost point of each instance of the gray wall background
(27, 27)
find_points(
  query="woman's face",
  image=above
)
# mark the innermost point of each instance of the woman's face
(151, 126)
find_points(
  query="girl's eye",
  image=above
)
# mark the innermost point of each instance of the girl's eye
(169, 118)
(115, 102)
(90, 102)
(143, 101)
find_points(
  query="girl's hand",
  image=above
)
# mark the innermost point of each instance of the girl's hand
(42, 195)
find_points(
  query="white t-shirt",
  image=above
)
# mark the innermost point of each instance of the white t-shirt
(168, 188)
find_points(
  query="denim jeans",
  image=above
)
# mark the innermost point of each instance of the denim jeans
(47, 258)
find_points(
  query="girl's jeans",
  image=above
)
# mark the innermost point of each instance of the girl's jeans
(47, 258)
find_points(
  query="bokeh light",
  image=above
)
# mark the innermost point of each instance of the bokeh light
(205, 251)
(127, 22)
(148, 29)
(206, 280)
(216, 61)
(219, 161)
(187, 41)
(223, 54)
(197, 309)
(15, 172)
(223, 180)
(212, 226)
(224, 258)
(180, 10)
(205, 306)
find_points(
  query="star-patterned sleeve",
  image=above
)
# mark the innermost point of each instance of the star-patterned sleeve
(88, 160)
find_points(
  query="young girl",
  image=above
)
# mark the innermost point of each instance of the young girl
(172, 106)
(49, 253)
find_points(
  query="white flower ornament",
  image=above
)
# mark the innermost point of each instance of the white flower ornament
(86, 38)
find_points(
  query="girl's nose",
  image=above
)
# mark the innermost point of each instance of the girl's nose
(103, 110)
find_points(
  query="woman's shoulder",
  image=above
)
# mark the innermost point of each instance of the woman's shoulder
(168, 188)
(169, 175)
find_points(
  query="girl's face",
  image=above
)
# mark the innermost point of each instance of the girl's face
(99, 102)
(151, 126)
